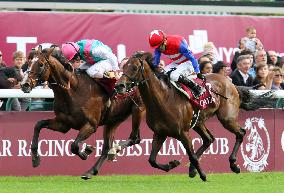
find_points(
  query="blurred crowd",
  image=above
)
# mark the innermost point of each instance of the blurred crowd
(252, 66)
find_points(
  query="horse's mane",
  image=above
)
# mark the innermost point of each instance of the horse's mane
(148, 57)
(57, 54)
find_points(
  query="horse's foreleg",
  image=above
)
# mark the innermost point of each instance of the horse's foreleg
(207, 139)
(51, 124)
(187, 143)
(157, 143)
(85, 132)
(134, 137)
(109, 131)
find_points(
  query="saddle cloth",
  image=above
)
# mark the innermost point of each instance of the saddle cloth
(204, 101)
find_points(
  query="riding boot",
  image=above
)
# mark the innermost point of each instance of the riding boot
(197, 90)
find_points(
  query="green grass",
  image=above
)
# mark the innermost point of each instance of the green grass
(217, 183)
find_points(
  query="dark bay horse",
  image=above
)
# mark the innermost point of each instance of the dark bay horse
(82, 104)
(169, 112)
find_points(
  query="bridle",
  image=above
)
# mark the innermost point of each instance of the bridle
(40, 74)
(141, 70)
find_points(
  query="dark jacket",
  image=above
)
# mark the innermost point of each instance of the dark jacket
(238, 80)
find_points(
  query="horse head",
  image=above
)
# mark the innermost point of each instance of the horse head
(46, 66)
(134, 72)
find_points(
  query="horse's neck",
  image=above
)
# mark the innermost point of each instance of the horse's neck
(63, 78)
(152, 91)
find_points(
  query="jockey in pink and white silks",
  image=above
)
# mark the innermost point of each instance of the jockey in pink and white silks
(176, 49)
(97, 56)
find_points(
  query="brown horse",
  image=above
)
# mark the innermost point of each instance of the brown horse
(169, 112)
(82, 104)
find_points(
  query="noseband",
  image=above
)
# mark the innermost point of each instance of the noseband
(141, 70)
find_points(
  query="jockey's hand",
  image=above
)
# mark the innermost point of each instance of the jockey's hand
(200, 76)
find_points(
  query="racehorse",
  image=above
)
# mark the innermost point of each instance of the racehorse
(169, 112)
(81, 103)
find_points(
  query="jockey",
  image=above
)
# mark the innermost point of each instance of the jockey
(176, 49)
(98, 57)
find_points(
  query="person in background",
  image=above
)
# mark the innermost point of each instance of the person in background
(273, 57)
(210, 51)
(203, 59)
(242, 52)
(277, 83)
(263, 79)
(260, 57)
(240, 76)
(206, 67)
(19, 104)
(2, 63)
(251, 42)
(221, 68)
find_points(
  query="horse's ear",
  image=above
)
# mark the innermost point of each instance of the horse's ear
(50, 51)
(149, 58)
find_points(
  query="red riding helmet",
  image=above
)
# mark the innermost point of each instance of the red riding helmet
(156, 38)
(70, 49)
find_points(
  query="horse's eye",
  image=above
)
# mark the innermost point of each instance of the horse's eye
(134, 68)
(41, 65)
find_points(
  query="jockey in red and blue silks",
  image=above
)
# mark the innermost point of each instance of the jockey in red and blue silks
(176, 48)
(97, 56)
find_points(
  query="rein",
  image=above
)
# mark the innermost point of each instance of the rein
(141, 69)
(52, 67)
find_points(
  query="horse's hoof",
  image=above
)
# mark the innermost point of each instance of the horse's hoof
(89, 149)
(192, 171)
(86, 176)
(35, 160)
(174, 164)
(235, 168)
(203, 177)
(83, 155)
(111, 157)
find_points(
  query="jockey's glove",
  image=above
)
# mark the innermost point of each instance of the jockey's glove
(200, 76)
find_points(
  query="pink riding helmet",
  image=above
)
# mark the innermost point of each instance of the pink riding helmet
(70, 49)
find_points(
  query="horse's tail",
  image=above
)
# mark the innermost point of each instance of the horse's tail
(251, 101)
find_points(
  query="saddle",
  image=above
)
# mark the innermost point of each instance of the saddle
(204, 101)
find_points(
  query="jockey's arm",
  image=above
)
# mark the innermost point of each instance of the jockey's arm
(188, 54)
(157, 58)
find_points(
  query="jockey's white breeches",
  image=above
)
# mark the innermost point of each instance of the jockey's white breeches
(185, 69)
(98, 69)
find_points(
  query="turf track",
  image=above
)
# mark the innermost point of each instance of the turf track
(217, 183)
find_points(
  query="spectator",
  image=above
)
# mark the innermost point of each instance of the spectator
(240, 76)
(206, 67)
(210, 51)
(251, 42)
(19, 104)
(221, 68)
(260, 57)
(203, 58)
(263, 79)
(240, 53)
(277, 83)
(273, 57)
(2, 63)
(28, 63)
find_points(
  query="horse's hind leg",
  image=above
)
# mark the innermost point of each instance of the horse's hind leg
(207, 139)
(187, 143)
(51, 124)
(157, 143)
(85, 132)
(232, 125)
